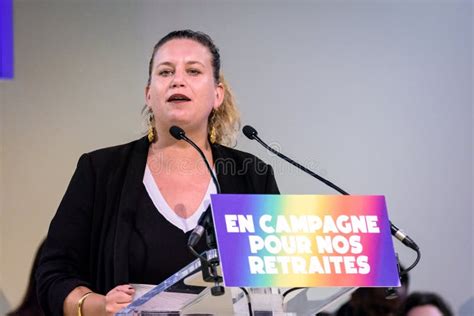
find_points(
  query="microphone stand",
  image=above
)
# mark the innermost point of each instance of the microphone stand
(209, 267)
(252, 134)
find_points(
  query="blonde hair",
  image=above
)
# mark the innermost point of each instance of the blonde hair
(225, 120)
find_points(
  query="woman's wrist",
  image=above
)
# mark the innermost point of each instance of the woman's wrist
(81, 302)
(90, 303)
(94, 304)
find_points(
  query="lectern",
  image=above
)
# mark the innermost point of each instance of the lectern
(185, 293)
(327, 246)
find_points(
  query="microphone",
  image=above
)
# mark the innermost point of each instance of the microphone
(177, 132)
(252, 134)
(205, 220)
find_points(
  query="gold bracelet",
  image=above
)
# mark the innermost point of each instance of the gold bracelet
(81, 301)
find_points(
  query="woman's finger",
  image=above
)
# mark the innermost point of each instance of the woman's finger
(113, 307)
(124, 288)
(118, 296)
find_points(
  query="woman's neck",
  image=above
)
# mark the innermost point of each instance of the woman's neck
(173, 154)
(166, 141)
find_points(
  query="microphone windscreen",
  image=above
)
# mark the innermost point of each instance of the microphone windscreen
(249, 131)
(177, 132)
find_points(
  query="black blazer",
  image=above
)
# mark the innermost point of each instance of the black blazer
(87, 242)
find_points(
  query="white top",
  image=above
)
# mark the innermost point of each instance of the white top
(185, 224)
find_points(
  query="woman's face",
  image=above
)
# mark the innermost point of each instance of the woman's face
(182, 89)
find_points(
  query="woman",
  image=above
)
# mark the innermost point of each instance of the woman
(128, 210)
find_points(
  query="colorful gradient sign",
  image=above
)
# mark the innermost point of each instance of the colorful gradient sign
(304, 241)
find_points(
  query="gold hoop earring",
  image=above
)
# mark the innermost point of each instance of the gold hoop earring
(213, 135)
(213, 131)
(151, 129)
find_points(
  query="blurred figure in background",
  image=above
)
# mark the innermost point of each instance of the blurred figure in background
(30, 306)
(425, 304)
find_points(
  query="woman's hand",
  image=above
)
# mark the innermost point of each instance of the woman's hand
(118, 298)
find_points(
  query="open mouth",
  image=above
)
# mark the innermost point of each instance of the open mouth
(176, 98)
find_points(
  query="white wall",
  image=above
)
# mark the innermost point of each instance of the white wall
(4, 306)
(374, 95)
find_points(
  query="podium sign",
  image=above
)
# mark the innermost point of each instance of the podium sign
(304, 241)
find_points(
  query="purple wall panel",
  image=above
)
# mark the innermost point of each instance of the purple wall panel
(6, 39)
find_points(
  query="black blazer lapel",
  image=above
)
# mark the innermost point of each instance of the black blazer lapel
(228, 169)
(133, 180)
